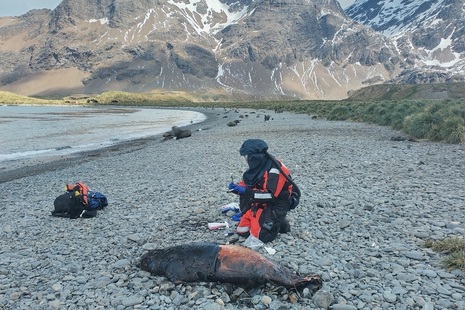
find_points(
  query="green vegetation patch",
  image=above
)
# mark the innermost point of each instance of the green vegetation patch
(433, 120)
(12, 98)
(454, 248)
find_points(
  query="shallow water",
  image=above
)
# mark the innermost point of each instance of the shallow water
(40, 132)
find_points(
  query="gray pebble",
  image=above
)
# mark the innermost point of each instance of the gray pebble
(430, 273)
(414, 255)
(132, 300)
(389, 297)
(323, 299)
(343, 307)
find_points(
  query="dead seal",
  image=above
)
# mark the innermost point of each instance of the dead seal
(212, 262)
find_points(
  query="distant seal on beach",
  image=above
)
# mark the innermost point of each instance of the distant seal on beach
(181, 133)
(212, 262)
(233, 123)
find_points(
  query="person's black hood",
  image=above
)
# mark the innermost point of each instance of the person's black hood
(257, 158)
(253, 146)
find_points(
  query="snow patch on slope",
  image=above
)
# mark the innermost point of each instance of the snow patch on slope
(206, 22)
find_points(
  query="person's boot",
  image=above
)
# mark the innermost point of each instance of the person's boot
(285, 227)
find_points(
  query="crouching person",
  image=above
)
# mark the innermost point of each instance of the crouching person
(264, 192)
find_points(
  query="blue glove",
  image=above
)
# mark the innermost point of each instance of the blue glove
(239, 189)
(237, 217)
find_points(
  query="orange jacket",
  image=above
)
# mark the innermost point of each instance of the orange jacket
(270, 188)
(79, 189)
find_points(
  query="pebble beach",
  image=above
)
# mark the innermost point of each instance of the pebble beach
(368, 204)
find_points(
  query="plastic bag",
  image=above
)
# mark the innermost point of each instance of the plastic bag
(253, 242)
(233, 206)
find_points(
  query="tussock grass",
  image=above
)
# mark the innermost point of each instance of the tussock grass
(454, 247)
(453, 244)
(12, 98)
(455, 260)
(119, 97)
(433, 120)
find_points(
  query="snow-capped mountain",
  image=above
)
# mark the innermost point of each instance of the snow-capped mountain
(303, 49)
(428, 34)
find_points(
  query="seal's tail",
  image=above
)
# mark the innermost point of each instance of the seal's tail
(310, 282)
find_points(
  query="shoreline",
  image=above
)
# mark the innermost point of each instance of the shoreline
(31, 167)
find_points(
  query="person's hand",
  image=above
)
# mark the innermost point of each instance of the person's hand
(239, 189)
(237, 217)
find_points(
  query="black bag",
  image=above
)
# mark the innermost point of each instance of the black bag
(71, 204)
(294, 200)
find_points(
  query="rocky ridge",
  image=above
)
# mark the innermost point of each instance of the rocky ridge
(293, 48)
(428, 34)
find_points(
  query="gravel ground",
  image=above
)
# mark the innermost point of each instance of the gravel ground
(368, 204)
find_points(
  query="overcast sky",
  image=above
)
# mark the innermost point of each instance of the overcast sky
(19, 7)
